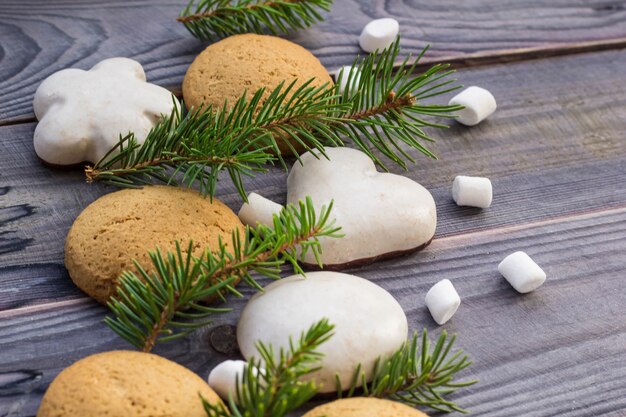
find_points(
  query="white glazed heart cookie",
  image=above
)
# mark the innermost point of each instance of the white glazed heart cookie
(82, 113)
(381, 215)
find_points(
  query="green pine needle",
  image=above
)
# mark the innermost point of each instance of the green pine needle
(383, 113)
(210, 19)
(196, 147)
(387, 105)
(168, 303)
(272, 385)
(416, 374)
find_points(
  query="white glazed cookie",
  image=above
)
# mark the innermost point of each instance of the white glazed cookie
(82, 113)
(369, 322)
(381, 215)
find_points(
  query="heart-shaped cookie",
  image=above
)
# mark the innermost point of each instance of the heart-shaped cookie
(382, 215)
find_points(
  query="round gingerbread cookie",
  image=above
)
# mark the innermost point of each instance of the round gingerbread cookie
(127, 224)
(228, 68)
(126, 384)
(364, 407)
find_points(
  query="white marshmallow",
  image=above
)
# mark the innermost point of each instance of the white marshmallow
(348, 72)
(522, 272)
(472, 191)
(479, 104)
(442, 301)
(258, 209)
(379, 34)
(223, 378)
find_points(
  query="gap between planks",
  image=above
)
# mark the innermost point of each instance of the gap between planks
(456, 61)
(439, 243)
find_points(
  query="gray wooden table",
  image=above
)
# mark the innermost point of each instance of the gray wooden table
(555, 151)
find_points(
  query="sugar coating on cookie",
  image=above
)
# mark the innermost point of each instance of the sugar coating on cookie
(126, 384)
(364, 407)
(127, 224)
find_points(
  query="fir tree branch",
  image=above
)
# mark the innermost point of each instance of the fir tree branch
(211, 19)
(272, 385)
(168, 303)
(384, 112)
(415, 374)
(238, 139)
(387, 105)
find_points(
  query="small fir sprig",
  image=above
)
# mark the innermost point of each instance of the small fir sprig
(210, 19)
(383, 111)
(386, 104)
(272, 386)
(168, 303)
(415, 374)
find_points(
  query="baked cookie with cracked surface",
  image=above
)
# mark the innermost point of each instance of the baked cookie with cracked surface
(248, 62)
(364, 407)
(126, 384)
(127, 224)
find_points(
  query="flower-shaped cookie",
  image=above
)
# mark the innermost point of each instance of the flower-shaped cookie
(83, 113)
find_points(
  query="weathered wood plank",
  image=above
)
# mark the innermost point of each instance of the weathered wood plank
(557, 351)
(38, 38)
(542, 149)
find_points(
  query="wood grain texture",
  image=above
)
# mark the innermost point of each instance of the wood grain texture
(550, 150)
(551, 352)
(554, 151)
(557, 162)
(38, 38)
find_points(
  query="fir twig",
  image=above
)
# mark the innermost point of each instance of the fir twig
(387, 105)
(211, 19)
(238, 139)
(383, 112)
(167, 304)
(272, 385)
(417, 374)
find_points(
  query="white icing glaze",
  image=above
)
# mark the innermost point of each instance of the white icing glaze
(83, 113)
(368, 321)
(378, 212)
